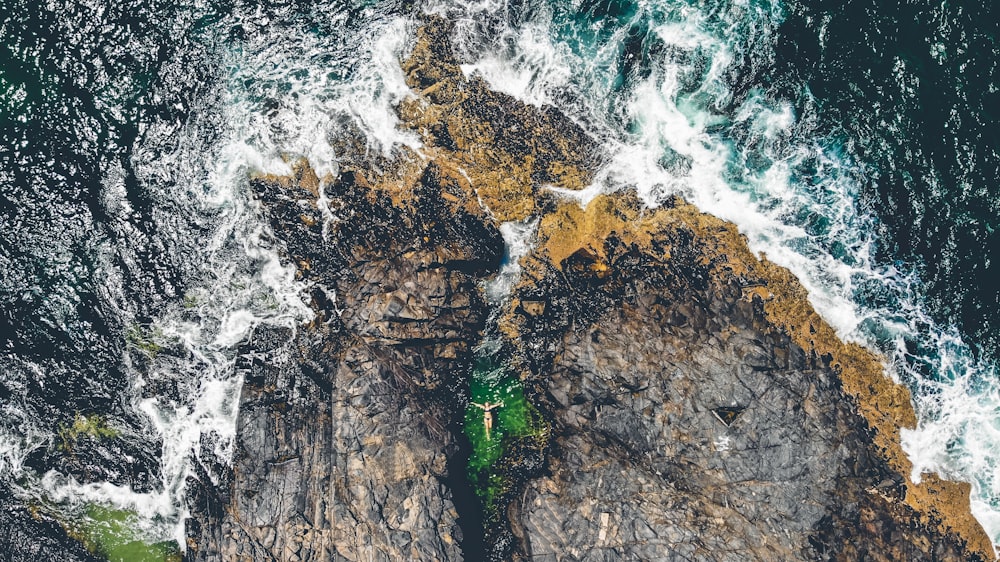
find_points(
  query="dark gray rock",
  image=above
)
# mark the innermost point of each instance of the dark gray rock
(343, 438)
(686, 428)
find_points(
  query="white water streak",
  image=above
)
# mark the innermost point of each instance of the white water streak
(519, 238)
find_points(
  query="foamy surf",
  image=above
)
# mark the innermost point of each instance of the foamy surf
(277, 100)
(238, 283)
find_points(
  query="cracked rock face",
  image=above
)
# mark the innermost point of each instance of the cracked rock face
(699, 408)
(342, 442)
(656, 474)
(687, 426)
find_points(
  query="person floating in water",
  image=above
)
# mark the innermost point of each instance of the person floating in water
(487, 409)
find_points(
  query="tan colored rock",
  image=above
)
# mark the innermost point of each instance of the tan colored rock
(506, 150)
(576, 240)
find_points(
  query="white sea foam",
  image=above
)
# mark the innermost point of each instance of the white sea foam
(292, 73)
(518, 237)
(958, 435)
(237, 298)
(539, 63)
(18, 437)
(148, 507)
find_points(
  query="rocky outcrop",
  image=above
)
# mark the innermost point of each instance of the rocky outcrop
(697, 407)
(688, 423)
(508, 150)
(346, 426)
(343, 430)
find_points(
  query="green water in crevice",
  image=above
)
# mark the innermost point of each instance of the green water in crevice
(112, 534)
(493, 381)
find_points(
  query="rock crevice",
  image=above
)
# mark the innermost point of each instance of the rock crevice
(697, 406)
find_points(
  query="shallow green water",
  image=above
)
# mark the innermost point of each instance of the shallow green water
(492, 381)
(112, 534)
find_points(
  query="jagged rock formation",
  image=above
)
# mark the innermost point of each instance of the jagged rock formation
(699, 408)
(506, 149)
(342, 434)
(690, 423)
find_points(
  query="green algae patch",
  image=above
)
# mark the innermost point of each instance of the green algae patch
(492, 382)
(147, 341)
(113, 534)
(85, 426)
(91, 426)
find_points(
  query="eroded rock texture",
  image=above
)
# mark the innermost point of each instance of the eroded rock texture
(507, 149)
(342, 432)
(687, 424)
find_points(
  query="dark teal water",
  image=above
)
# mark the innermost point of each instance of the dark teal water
(916, 87)
(856, 142)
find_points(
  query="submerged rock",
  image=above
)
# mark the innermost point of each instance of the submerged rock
(29, 535)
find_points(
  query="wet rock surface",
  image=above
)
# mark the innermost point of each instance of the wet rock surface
(507, 149)
(30, 536)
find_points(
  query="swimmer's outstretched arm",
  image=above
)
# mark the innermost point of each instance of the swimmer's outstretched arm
(478, 405)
